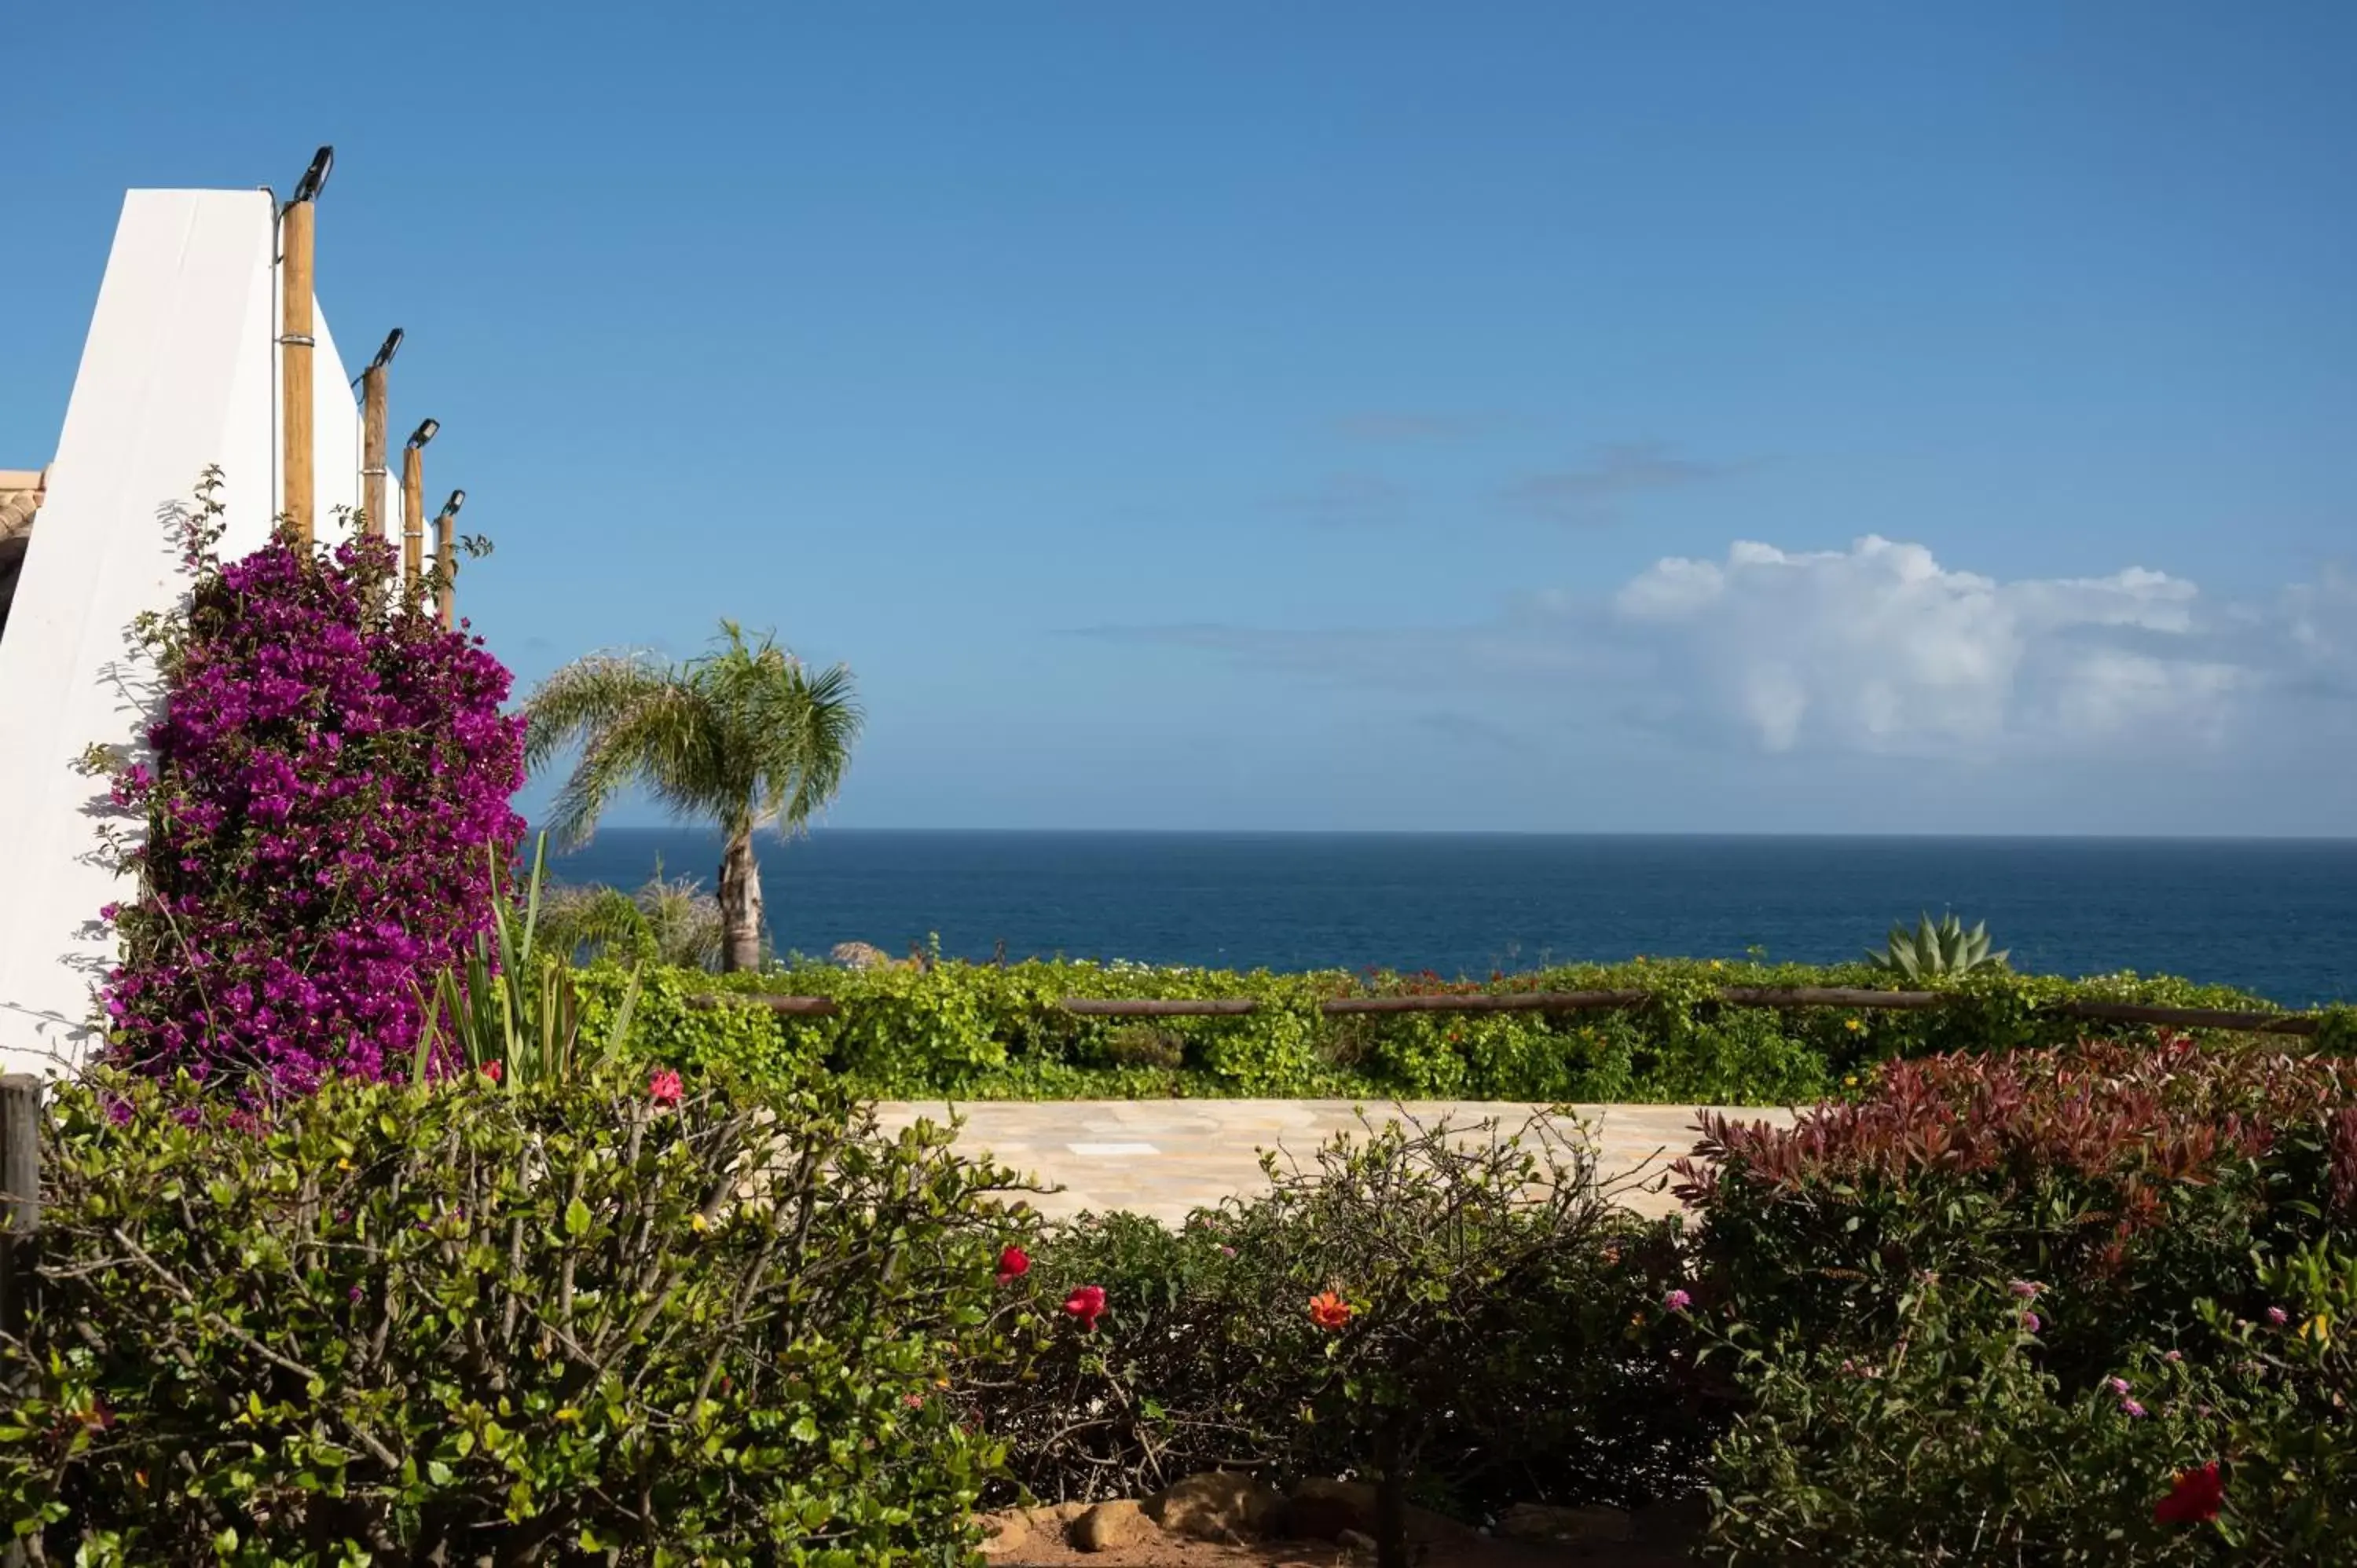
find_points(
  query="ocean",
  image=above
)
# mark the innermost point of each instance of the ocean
(2275, 917)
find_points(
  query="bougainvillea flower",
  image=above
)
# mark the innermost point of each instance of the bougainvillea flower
(1330, 1311)
(1013, 1264)
(327, 812)
(664, 1086)
(1086, 1304)
(2195, 1497)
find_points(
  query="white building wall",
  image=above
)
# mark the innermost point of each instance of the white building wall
(178, 372)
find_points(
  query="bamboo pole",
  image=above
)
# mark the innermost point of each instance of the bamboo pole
(445, 566)
(413, 514)
(296, 326)
(372, 471)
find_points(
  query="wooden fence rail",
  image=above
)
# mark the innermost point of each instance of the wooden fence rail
(1592, 1001)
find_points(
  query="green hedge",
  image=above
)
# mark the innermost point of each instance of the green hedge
(598, 1322)
(981, 1031)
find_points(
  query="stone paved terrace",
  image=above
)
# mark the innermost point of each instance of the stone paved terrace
(1165, 1157)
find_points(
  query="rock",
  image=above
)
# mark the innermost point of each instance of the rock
(1218, 1505)
(860, 955)
(1004, 1532)
(1323, 1509)
(1326, 1510)
(1552, 1524)
(1108, 1527)
(1677, 1523)
(1356, 1543)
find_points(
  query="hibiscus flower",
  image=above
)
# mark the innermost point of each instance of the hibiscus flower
(2195, 1497)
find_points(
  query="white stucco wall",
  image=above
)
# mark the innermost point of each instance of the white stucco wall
(178, 372)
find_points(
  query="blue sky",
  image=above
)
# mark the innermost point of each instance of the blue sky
(1823, 416)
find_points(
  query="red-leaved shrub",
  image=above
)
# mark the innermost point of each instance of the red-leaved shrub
(2125, 1183)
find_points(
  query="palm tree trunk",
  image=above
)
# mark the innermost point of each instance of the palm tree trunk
(740, 905)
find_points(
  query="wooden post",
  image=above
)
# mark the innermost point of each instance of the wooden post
(20, 1207)
(413, 513)
(445, 566)
(372, 473)
(20, 1192)
(294, 344)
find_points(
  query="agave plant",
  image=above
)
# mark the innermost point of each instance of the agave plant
(1934, 951)
(511, 1007)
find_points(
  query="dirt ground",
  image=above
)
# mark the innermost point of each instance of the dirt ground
(1176, 1552)
(1660, 1541)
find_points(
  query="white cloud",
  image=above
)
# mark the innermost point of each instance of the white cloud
(1874, 651)
(1881, 648)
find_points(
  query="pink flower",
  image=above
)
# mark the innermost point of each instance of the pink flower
(2130, 1408)
(664, 1086)
(2032, 1323)
(2278, 1317)
(1677, 1300)
(2026, 1289)
(2172, 1356)
(2117, 1385)
(1087, 1304)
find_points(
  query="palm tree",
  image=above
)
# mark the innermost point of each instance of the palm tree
(746, 736)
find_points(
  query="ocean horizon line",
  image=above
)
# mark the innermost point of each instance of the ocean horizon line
(1684, 835)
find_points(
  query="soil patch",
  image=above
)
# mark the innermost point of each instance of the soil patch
(1167, 1550)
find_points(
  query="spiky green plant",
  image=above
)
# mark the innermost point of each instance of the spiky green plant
(669, 920)
(512, 1003)
(1933, 951)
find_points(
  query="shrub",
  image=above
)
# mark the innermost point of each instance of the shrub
(479, 1323)
(1468, 1315)
(667, 1025)
(329, 789)
(1948, 1442)
(988, 1030)
(2130, 1182)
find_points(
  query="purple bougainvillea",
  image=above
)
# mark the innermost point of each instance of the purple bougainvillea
(328, 790)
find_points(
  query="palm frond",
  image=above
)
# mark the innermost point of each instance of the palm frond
(743, 735)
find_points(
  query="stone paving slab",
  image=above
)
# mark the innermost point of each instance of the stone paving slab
(1167, 1157)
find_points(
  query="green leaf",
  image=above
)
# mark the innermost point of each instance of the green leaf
(577, 1219)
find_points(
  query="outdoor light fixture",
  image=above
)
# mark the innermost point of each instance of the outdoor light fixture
(426, 431)
(384, 354)
(314, 179)
(450, 508)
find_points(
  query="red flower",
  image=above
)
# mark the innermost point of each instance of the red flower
(2195, 1495)
(1013, 1264)
(1086, 1304)
(664, 1088)
(1330, 1311)
(491, 1069)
